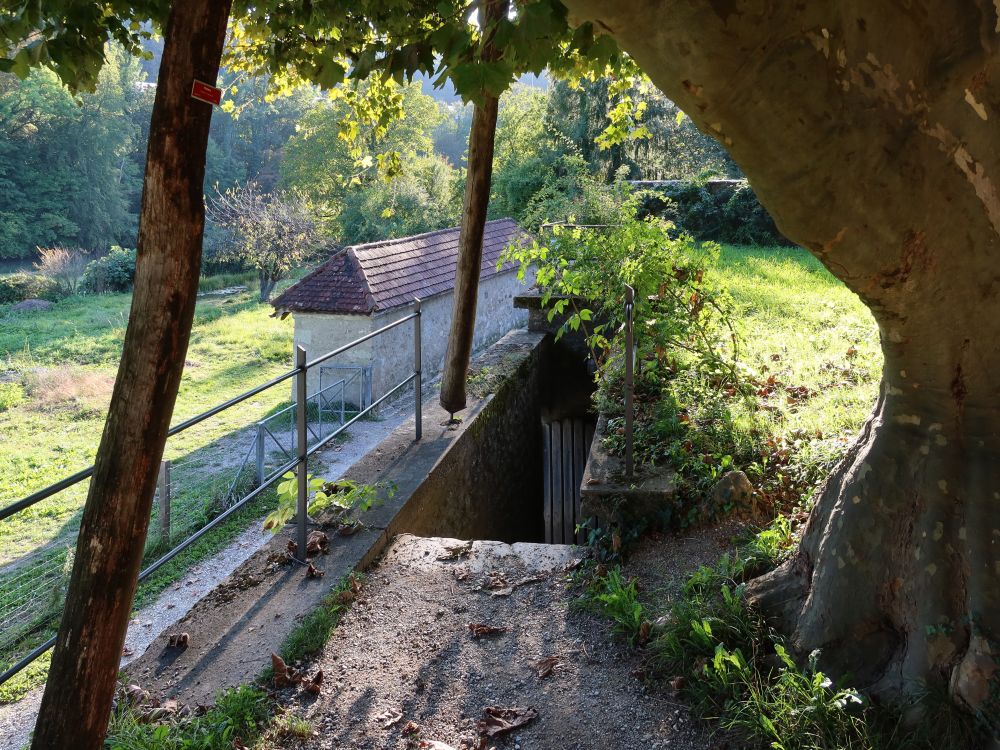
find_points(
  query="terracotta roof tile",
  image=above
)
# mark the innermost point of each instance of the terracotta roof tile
(383, 275)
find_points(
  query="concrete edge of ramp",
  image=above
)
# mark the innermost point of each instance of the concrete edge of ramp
(457, 481)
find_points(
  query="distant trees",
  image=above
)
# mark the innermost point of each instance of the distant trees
(670, 146)
(67, 172)
(272, 233)
(423, 197)
(70, 165)
(373, 179)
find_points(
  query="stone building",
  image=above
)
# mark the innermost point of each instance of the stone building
(365, 287)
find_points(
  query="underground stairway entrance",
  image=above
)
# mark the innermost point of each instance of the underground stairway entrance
(464, 606)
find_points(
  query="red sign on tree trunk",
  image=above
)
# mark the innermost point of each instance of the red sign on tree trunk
(206, 93)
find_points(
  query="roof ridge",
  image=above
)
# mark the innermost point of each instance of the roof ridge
(422, 235)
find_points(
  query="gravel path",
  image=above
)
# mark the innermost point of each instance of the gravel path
(17, 719)
(404, 653)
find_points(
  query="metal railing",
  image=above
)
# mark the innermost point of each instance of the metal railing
(299, 463)
(629, 378)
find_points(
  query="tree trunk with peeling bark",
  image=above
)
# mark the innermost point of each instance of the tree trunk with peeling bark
(478, 180)
(869, 131)
(81, 682)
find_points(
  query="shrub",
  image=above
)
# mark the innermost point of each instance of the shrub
(112, 273)
(727, 216)
(728, 665)
(11, 394)
(685, 343)
(239, 715)
(17, 287)
(63, 265)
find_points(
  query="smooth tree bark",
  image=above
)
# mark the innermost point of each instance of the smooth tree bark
(81, 682)
(478, 180)
(869, 131)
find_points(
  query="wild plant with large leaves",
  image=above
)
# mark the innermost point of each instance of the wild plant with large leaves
(681, 317)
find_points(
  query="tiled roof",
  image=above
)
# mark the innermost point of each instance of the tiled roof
(383, 275)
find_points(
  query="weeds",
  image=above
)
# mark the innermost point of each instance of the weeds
(312, 633)
(618, 599)
(239, 714)
(731, 667)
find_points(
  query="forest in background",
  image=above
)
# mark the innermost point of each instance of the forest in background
(71, 168)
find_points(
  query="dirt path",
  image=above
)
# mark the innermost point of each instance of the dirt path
(405, 653)
(17, 719)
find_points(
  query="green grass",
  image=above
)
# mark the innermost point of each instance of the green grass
(804, 326)
(617, 598)
(312, 633)
(243, 712)
(56, 372)
(67, 357)
(806, 376)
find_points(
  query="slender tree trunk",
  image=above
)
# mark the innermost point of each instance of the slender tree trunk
(470, 243)
(869, 132)
(266, 286)
(77, 701)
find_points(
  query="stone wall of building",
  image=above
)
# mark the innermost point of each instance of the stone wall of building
(390, 355)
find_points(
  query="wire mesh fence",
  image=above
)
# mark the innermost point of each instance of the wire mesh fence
(203, 480)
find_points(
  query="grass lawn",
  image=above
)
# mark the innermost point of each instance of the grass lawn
(63, 362)
(803, 326)
(57, 369)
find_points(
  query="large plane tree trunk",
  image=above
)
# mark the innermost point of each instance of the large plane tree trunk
(81, 683)
(869, 130)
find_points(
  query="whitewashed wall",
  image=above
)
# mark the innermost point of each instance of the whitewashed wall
(391, 354)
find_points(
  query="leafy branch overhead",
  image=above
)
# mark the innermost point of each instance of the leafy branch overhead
(325, 44)
(337, 46)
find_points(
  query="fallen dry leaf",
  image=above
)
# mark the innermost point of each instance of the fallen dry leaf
(313, 572)
(496, 580)
(502, 720)
(678, 683)
(293, 548)
(284, 675)
(388, 719)
(178, 640)
(411, 728)
(479, 629)
(313, 685)
(316, 543)
(135, 695)
(349, 529)
(644, 630)
(545, 666)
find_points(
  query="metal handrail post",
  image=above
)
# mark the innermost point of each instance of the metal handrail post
(301, 444)
(629, 376)
(417, 382)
